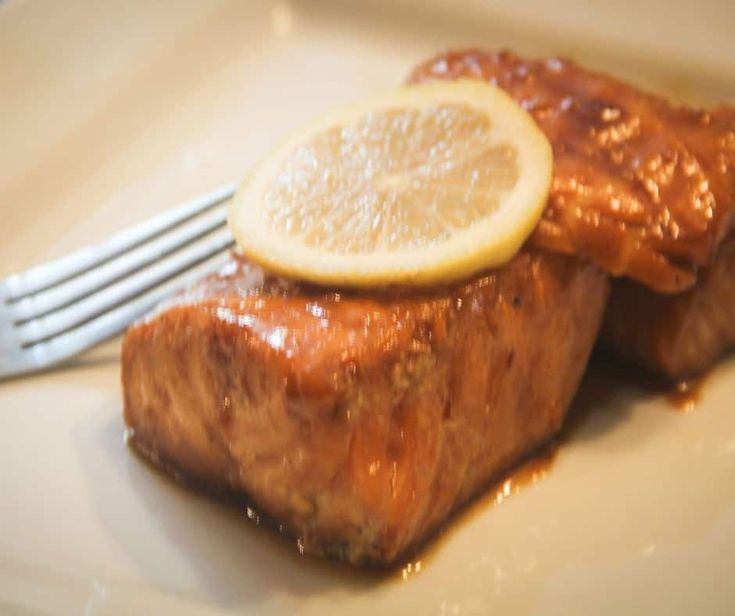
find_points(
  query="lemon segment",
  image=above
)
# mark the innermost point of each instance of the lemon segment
(431, 183)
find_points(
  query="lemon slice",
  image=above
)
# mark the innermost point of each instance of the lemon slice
(430, 183)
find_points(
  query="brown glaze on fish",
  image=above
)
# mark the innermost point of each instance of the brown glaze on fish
(643, 188)
(360, 421)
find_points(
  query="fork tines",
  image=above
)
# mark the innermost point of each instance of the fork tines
(56, 310)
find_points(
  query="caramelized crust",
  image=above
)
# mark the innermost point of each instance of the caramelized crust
(641, 187)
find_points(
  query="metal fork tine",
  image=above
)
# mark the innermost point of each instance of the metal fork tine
(61, 321)
(113, 322)
(97, 278)
(49, 274)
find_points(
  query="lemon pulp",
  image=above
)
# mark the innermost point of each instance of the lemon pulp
(427, 184)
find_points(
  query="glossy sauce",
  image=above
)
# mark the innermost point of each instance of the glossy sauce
(685, 395)
(526, 474)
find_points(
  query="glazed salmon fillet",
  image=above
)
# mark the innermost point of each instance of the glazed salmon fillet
(641, 187)
(360, 421)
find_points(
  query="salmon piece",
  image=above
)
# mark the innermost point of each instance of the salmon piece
(679, 336)
(643, 188)
(360, 421)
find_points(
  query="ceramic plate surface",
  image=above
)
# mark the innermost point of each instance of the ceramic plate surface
(112, 111)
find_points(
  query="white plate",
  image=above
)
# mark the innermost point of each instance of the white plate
(112, 111)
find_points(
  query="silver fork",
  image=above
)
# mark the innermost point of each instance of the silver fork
(54, 311)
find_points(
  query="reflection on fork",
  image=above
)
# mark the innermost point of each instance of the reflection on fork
(54, 311)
